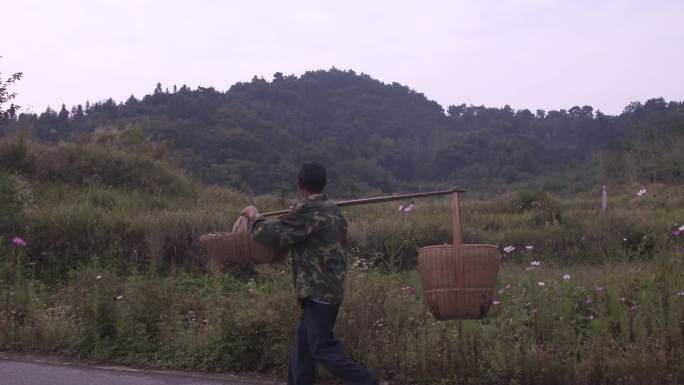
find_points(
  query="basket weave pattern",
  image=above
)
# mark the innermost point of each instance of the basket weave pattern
(239, 249)
(459, 281)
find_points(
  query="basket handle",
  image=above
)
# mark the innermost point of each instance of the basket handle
(456, 224)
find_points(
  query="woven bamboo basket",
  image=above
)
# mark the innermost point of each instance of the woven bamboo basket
(239, 249)
(459, 280)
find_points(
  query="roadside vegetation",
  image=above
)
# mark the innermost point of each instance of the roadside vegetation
(99, 260)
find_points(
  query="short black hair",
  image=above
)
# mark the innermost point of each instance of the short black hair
(312, 177)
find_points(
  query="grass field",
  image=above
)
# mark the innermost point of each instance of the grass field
(112, 271)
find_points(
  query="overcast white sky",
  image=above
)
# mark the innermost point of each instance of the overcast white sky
(527, 53)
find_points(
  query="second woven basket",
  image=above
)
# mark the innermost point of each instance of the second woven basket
(239, 249)
(459, 280)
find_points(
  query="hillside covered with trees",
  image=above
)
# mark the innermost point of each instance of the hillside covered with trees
(377, 136)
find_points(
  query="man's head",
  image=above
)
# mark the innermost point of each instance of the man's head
(312, 178)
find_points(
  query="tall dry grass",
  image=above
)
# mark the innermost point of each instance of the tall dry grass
(112, 271)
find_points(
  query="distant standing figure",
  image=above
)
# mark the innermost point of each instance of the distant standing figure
(604, 200)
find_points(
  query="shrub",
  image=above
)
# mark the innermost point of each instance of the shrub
(10, 205)
(88, 164)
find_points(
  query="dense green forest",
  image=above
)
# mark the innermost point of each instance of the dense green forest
(376, 136)
(100, 257)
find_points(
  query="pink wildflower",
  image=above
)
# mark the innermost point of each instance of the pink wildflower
(496, 302)
(589, 301)
(598, 289)
(676, 233)
(18, 241)
(409, 291)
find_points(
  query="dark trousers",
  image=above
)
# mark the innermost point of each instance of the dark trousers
(316, 344)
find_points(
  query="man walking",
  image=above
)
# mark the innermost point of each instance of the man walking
(316, 233)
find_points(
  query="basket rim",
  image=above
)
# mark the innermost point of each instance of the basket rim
(456, 247)
(228, 234)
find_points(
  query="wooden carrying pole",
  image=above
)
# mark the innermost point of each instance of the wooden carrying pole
(388, 198)
(456, 225)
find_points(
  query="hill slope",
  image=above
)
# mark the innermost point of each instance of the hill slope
(377, 136)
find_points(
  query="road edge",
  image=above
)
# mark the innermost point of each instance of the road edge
(250, 379)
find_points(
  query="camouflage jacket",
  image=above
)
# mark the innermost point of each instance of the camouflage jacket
(316, 233)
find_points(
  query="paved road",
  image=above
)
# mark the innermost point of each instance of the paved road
(30, 371)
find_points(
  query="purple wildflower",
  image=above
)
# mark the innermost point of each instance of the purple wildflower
(409, 291)
(19, 242)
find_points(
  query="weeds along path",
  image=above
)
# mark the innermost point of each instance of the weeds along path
(106, 266)
(567, 325)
